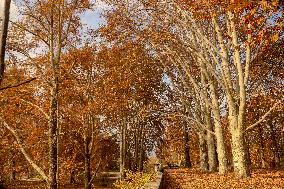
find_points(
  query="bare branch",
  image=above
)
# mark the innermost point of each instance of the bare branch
(17, 85)
(263, 117)
(36, 106)
(24, 152)
(248, 56)
(94, 174)
(196, 121)
(31, 32)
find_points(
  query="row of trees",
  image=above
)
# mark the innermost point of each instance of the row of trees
(211, 61)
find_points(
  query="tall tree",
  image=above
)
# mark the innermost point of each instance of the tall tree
(53, 25)
(3, 39)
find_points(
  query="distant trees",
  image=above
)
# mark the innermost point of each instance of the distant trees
(130, 88)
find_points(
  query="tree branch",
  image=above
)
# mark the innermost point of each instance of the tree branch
(24, 152)
(94, 174)
(17, 85)
(32, 32)
(263, 117)
(200, 124)
(36, 106)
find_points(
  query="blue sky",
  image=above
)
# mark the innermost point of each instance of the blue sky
(92, 19)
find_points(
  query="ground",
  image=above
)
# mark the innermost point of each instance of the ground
(38, 185)
(197, 179)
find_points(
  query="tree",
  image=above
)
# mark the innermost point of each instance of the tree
(4, 32)
(54, 25)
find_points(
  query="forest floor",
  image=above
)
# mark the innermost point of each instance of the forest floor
(41, 185)
(197, 179)
(183, 178)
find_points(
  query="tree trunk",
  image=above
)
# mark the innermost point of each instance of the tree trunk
(212, 155)
(58, 152)
(238, 120)
(203, 152)
(212, 158)
(141, 158)
(207, 79)
(53, 118)
(275, 147)
(186, 147)
(4, 33)
(261, 150)
(141, 151)
(53, 137)
(87, 165)
(136, 149)
(127, 153)
(13, 173)
(247, 146)
(221, 149)
(124, 144)
(121, 146)
(53, 121)
(239, 155)
(72, 177)
(24, 152)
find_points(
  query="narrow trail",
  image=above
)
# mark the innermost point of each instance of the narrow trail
(155, 184)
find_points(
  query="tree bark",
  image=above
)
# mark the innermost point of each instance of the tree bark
(4, 33)
(141, 150)
(238, 119)
(221, 150)
(53, 118)
(186, 147)
(261, 150)
(212, 159)
(87, 164)
(72, 177)
(247, 150)
(275, 147)
(122, 156)
(203, 152)
(212, 154)
(239, 154)
(53, 153)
